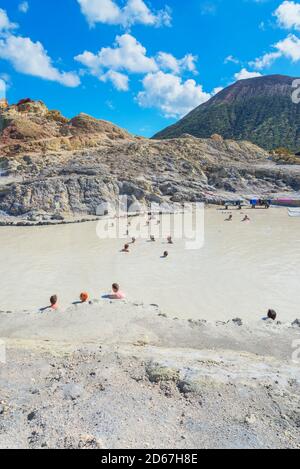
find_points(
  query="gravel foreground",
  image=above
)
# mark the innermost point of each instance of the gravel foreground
(123, 375)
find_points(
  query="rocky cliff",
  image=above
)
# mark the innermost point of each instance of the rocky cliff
(53, 168)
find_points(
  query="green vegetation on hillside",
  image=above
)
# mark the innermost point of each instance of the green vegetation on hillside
(268, 119)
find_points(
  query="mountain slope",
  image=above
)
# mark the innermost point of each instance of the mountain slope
(258, 109)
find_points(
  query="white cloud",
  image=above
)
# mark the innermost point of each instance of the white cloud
(265, 61)
(133, 12)
(119, 80)
(2, 89)
(170, 94)
(231, 59)
(288, 48)
(5, 23)
(288, 15)
(127, 55)
(244, 74)
(217, 90)
(24, 7)
(31, 58)
(169, 63)
(100, 11)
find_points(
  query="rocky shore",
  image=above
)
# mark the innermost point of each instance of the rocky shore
(53, 169)
(124, 375)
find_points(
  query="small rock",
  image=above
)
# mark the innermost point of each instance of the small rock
(200, 322)
(167, 389)
(162, 315)
(250, 419)
(90, 442)
(141, 342)
(189, 387)
(57, 217)
(31, 416)
(72, 391)
(238, 321)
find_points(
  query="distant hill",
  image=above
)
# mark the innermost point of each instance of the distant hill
(257, 109)
(29, 126)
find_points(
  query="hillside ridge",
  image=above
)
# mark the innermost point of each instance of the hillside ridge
(258, 109)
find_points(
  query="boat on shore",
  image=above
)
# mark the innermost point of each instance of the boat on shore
(287, 202)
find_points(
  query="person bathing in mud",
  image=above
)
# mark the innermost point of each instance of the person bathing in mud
(272, 315)
(84, 297)
(53, 302)
(117, 294)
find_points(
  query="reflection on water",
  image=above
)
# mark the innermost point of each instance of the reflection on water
(242, 270)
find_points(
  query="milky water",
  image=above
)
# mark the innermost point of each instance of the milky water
(242, 270)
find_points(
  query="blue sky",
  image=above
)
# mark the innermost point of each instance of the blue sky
(141, 64)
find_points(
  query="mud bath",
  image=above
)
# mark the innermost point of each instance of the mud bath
(242, 270)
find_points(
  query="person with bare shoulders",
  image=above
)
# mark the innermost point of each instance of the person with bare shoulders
(272, 314)
(54, 302)
(117, 294)
(170, 240)
(84, 296)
